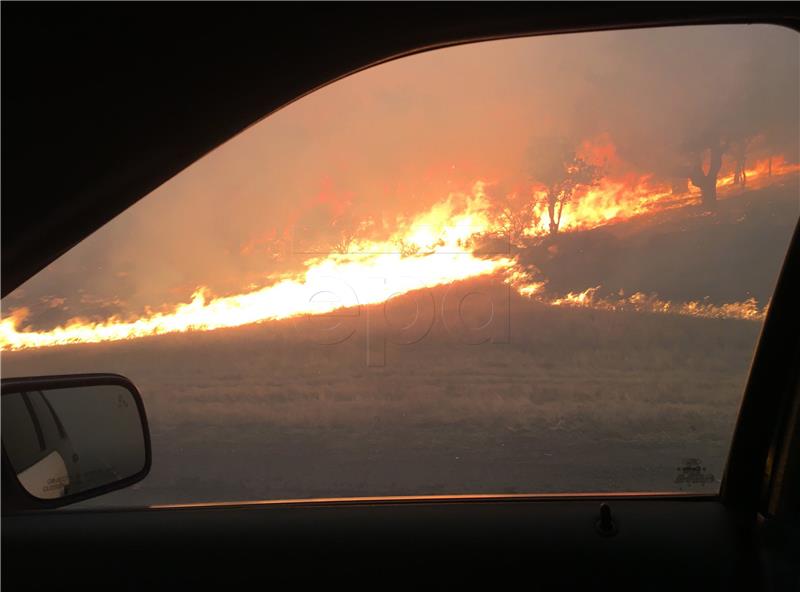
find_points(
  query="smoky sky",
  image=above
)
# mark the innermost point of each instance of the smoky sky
(398, 137)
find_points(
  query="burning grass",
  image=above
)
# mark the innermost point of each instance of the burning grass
(437, 247)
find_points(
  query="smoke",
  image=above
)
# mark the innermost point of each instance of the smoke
(392, 140)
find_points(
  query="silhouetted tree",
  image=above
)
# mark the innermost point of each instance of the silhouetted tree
(515, 215)
(346, 230)
(343, 242)
(739, 153)
(407, 249)
(556, 165)
(706, 180)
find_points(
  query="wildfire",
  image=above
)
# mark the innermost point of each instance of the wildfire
(610, 201)
(438, 251)
(639, 302)
(436, 247)
(759, 173)
(618, 200)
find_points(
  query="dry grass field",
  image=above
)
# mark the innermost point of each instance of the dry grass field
(553, 399)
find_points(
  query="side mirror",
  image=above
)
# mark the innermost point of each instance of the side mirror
(69, 438)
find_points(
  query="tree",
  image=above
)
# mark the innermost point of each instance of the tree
(345, 229)
(407, 249)
(739, 153)
(557, 166)
(514, 216)
(343, 241)
(706, 181)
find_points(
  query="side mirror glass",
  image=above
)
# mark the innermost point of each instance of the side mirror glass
(68, 438)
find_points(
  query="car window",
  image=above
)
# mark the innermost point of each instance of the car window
(534, 265)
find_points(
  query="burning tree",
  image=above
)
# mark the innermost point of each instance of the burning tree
(515, 212)
(321, 230)
(557, 166)
(346, 229)
(344, 240)
(406, 248)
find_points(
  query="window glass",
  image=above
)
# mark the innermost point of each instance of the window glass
(531, 265)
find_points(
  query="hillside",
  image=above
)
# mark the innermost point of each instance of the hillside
(681, 254)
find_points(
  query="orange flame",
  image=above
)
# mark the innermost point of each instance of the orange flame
(438, 252)
(434, 248)
(760, 173)
(639, 302)
(610, 201)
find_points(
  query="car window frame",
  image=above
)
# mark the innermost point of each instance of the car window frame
(771, 386)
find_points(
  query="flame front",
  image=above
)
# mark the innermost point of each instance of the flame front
(438, 249)
(374, 273)
(747, 310)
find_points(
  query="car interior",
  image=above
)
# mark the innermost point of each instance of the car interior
(104, 104)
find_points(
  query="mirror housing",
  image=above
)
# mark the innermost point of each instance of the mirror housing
(70, 438)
